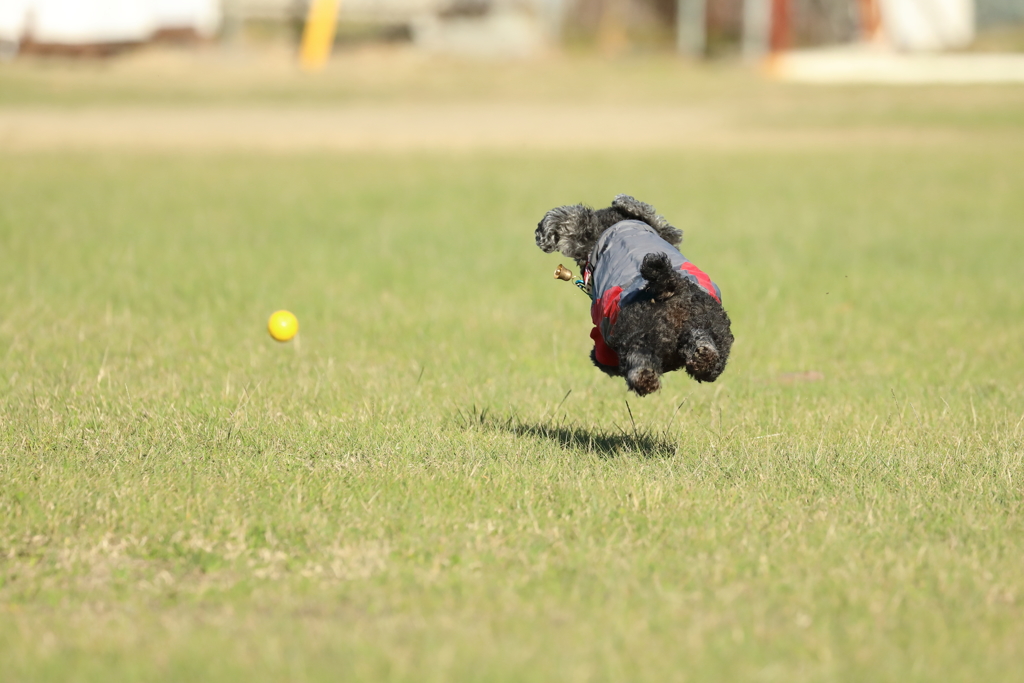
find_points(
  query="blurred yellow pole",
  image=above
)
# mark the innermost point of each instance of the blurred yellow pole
(318, 35)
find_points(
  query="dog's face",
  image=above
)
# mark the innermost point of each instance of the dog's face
(673, 324)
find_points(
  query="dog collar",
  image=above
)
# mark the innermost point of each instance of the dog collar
(584, 283)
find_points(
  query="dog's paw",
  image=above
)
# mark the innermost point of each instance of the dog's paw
(642, 371)
(643, 381)
(560, 224)
(703, 361)
(646, 213)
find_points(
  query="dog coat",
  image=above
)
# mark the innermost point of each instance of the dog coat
(615, 280)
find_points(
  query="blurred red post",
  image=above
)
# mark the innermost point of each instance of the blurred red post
(870, 19)
(780, 38)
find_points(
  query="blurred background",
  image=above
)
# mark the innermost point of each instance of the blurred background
(592, 74)
(179, 493)
(701, 29)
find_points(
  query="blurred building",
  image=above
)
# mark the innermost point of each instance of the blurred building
(520, 27)
(473, 27)
(99, 24)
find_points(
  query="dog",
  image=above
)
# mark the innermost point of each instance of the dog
(653, 311)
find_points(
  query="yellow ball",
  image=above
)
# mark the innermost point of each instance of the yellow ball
(283, 325)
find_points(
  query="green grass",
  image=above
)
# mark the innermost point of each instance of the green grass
(404, 495)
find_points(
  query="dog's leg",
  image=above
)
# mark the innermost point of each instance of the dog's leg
(703, 361)
(642, 371)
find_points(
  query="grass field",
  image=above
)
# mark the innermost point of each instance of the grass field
(433, 484)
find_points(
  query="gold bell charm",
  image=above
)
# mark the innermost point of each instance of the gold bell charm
(563, 273)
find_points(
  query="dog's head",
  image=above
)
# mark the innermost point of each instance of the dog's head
(671, 324)
(573, 230)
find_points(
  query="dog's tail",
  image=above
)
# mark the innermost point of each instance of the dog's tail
(663, 281)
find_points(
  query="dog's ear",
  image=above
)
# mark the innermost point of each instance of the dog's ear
(663, 282)
(646, 213)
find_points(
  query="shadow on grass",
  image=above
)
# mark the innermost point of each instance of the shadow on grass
(572, 436)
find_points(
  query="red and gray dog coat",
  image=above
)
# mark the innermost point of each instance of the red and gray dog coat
(614, 276)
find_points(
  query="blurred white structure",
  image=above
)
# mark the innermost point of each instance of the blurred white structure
(503, 33)
(384, 11)
(473, 27)
(846, 65)
(91, 22)
(482, 28)
(904, 25)
(928, 25)
(914, 44)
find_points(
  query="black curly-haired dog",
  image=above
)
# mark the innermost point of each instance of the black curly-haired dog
(653, 311)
